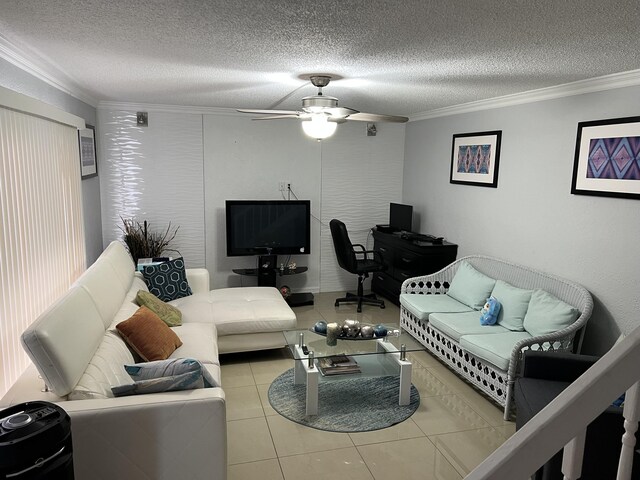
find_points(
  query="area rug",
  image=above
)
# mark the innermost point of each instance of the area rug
(356, 404)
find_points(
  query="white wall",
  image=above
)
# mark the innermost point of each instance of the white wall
(154, 173)
(349, 176)
(532, 218)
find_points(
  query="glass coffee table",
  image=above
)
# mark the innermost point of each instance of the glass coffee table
(375, 357)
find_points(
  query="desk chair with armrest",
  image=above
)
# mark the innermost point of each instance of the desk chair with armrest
(347, 254)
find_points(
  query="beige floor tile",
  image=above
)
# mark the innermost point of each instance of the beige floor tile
(446, 414)
(490, 411)
(427, 383)
(264, 470)
(401, 431)
(453, 381)
(265, 372)
(236, 375)
(249, 441)
(243, 402)
(507, 430)
(415, 458)
(343, 464)
(291, 438)
(307, 317)
(263, 391)
(466, 450)
(424, 358)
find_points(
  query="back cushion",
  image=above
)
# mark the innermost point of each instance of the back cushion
(63, 339)
(514, 303)
(470, 287)
(548, 314)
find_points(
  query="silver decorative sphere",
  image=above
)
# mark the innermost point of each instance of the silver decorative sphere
(366, 331)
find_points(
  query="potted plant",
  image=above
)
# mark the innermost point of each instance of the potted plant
(143, 243)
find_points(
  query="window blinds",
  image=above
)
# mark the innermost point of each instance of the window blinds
(42, 248)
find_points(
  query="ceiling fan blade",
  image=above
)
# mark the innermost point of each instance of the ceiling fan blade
(275, 117)
(267, 112)
(340, 112)
(376, 117)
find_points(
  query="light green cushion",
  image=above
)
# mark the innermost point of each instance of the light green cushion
(548, 314)
(471, 287)
(495, 349)
(421, 306)
(515, 302)
(454, 325)
(167, 313)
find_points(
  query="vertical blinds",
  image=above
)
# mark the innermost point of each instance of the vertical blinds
(42, 247)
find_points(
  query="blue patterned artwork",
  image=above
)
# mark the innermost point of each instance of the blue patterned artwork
(474, 159)
(614, 158)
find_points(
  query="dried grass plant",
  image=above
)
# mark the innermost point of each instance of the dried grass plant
(143, 243)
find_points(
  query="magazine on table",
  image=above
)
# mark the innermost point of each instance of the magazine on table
(338, 365)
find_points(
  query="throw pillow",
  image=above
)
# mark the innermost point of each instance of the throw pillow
(185, 381)
(548, 314)
(470, 287)
(166, 376)
(167, 313)
(168, 280)
(168, 368)
(490, 311)
(148, 336)
(515, 302)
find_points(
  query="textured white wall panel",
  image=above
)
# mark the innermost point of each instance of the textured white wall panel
(153, 173)
(361, 175)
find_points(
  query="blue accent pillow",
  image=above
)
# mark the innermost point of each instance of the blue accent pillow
(490, 311)
(165, 376)
(168, 280)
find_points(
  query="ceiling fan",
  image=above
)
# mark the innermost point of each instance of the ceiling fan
(321, 114)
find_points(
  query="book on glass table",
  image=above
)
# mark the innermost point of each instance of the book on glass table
(338, 365)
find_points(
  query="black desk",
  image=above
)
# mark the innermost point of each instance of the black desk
(406, 259)
(267, 278)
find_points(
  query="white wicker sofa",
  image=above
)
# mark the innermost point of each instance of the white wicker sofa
(485, 356)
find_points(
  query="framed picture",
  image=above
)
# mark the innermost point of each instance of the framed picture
(607, 159)
(88, 161)
(475, 158)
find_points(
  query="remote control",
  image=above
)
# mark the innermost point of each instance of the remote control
(305, 349)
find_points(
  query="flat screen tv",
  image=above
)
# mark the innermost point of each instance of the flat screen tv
(400, 217)
(268, 227)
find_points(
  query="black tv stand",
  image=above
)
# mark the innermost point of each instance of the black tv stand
(267, 272)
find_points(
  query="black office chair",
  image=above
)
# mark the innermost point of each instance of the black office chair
(348, 254)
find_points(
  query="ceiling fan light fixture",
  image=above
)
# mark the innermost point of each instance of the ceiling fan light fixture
(319, 127)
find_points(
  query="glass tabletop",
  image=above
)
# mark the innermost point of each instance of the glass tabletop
(318, 343)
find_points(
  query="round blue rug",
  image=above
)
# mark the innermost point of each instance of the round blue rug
(349, 404)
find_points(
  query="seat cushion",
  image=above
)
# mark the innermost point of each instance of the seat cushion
(495, 349)
(454, 325)
(199, 341)
(421, 306)
(238, 310)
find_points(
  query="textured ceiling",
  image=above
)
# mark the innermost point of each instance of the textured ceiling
(394, 57)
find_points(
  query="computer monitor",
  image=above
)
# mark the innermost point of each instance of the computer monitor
(400, 217)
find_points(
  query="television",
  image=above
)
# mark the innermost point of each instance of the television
(268, 227)
(400, 217)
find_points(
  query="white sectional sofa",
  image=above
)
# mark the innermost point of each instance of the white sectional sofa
(489, 356)
(78, 353)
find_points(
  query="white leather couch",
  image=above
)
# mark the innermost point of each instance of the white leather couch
(79, 355)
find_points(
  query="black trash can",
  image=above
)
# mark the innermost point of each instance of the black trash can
(35, 442)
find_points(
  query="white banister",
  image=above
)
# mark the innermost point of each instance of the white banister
(631, 412)
(572, 457)
(568, 415)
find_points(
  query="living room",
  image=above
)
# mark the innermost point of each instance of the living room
(190, 159)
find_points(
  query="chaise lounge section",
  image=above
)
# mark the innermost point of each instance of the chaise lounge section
(539, 312)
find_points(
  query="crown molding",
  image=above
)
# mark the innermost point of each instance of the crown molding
(598, 84)
(151, 107)
(42, 70)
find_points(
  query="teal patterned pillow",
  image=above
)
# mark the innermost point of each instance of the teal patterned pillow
(168, 280)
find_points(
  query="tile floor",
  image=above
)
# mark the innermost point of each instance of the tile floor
(452, 431)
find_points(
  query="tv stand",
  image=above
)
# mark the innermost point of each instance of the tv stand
(267, 272)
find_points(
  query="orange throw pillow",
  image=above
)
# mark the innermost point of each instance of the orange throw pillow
(148, 336)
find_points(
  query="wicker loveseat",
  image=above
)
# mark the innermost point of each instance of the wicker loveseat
(492, 370)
